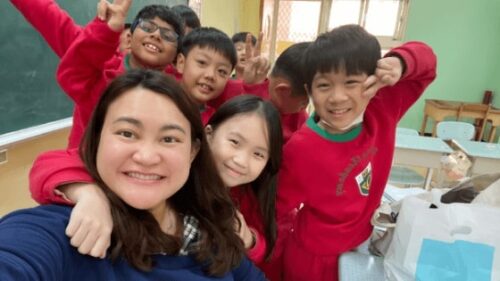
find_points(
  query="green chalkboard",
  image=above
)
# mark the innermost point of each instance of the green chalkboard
(29, 93)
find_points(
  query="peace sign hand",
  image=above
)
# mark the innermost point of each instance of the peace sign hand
(114, 13)
(256, 66)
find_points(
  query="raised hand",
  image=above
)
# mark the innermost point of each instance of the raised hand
(389, 71)
(256, 66)
(114, 13)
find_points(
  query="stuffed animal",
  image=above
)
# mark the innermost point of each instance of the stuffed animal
(455, 167)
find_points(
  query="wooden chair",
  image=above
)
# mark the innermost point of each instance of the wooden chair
(477, 111)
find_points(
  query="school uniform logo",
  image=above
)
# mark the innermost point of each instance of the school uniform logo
(364, 180)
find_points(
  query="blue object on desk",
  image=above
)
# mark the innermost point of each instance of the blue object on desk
(460, 261)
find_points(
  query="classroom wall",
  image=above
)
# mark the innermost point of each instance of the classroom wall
(231, 16)
(465, 37)
(14, 190)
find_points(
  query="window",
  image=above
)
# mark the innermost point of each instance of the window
(290, 21)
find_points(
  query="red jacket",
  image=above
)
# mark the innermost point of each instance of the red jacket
(340, 179)
(54, 24)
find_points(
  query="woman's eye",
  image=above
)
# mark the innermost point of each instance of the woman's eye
(170, 139)
(125, 134)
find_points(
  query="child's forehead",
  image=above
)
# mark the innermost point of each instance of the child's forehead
(208, 51)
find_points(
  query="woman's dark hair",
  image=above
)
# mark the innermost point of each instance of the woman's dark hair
(136, 234)
(164, 13)
(264, 187)
(188, 15)
(346, 48)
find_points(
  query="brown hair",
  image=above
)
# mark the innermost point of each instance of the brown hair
(136, 234)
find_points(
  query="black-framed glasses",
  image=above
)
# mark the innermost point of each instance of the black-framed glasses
(165, 33)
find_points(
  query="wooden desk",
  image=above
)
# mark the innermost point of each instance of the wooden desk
(439, 109)
(420, 151)
(486, 156)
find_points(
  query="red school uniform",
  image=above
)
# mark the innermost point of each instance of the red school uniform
(340, 179)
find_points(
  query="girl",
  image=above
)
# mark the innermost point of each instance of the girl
(146, 151)
(245, 138)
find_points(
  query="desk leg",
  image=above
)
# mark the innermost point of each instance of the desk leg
(493, 132)
(424, 123)
(428, 178)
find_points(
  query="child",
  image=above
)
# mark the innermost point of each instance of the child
(335, 167)
(284, 87)
(92, 61)
(245, 138)
(146, 149)
(205, 63)
(239, 39)
(191, 20)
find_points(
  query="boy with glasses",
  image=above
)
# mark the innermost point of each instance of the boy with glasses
(92, 61)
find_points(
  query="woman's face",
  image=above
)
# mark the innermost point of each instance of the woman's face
(145, 150)
(240, 146)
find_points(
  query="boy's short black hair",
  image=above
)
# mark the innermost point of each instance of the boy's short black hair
(289, 66)
(164, 13)
(188, 15)
(212, 38)
(346, 48)
(242, 37)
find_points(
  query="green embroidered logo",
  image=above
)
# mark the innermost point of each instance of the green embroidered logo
(364, 180)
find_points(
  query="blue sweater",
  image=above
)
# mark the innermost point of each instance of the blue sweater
(33, 246)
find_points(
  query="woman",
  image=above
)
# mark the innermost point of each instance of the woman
(145, 149)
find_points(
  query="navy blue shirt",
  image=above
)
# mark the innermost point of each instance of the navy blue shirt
(33, 246)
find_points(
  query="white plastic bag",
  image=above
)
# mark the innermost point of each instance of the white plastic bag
(444, 242)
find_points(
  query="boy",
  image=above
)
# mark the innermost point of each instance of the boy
(206, 60)
(336, 166)
(239, 40)
(189, 17)
(92, 61)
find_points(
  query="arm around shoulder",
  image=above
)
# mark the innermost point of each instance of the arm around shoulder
(53, 169)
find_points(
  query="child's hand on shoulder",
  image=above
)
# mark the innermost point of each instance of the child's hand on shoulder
(256, 66)
(389, 71)
(90, 224)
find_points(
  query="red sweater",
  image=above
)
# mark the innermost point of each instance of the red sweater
(340, 178)
(54, 24)
(247, 203)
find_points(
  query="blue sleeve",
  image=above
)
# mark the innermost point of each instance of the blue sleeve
(33, 245)
(247, 271)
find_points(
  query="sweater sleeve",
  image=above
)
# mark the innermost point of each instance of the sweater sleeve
(82, 67)
(420, 62)
(256, 254)
(54, 24)
(33, 245)
(247, 271)
(52, 169)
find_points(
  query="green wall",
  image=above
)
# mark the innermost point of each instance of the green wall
(465, 36)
